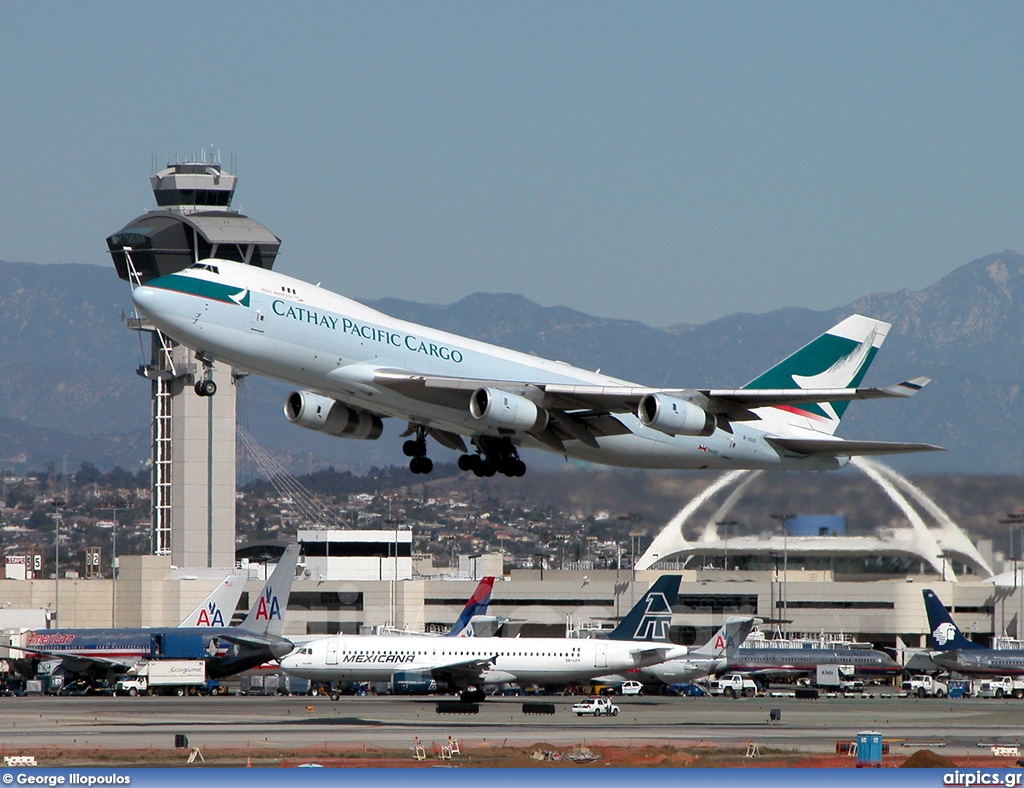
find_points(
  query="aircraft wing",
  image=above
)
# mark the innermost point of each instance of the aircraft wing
(278, 646)
(466, 671)
(836, 447)
(581, 401)
(76, 662)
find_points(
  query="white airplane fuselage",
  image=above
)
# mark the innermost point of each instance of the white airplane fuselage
(284, 328)
(524, 660)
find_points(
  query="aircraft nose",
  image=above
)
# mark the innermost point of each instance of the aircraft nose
(143, 297)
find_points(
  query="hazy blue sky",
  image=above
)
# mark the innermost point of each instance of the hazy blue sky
(668, 162)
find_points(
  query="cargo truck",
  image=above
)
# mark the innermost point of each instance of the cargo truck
(163, 677)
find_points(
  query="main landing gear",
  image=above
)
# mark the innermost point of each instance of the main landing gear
(495, 455)
(417, 449)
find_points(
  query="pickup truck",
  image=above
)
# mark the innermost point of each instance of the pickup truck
(596, 705)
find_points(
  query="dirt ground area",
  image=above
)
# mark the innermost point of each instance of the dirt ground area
(540, 754)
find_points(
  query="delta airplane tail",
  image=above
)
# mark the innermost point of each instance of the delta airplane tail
(267, 615)
(727, 639)
(839, 358)
(945, 635)
(651, 617)
(476, 606)
(216, 610)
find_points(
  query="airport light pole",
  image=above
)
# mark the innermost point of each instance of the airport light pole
(114, 507)
(784, 517)
(725, 525)
(1016, 522)
(58, 504)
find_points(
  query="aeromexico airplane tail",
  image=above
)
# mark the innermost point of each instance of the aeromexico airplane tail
(944, 634)
(216, 610)
(651, 616)
(476, 606)
(266, 616)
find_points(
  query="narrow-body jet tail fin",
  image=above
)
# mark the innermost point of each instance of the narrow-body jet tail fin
(218, 608)
(266, 616)
(944, 635)
(837, 359)
(476, 606)
(727, 639)
(651, 617)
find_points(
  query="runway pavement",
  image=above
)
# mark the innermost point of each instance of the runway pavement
(392, 722)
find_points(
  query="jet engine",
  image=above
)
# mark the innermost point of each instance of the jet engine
(506, 410)
(674, 416)
(410, 683)
(324, 414)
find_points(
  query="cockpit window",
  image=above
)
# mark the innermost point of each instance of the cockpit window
(206, 267)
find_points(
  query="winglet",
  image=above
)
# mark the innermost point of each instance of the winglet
(908, 388)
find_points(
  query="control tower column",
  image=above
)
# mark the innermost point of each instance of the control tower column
(193, 448)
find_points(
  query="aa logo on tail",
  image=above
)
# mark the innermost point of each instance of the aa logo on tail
(268, 607)
(210, 616)
(655, 621)
(719, 643)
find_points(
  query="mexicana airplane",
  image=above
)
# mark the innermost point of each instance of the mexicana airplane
(354, 367)
(226, 649)
(953, 651)
(470, 663)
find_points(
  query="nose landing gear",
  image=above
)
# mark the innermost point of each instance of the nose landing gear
(416, 448)
(205, 386)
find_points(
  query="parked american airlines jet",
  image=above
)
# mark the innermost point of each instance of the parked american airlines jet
(355, 367)
(467, 664)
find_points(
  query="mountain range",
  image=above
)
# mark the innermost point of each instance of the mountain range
(69, 392)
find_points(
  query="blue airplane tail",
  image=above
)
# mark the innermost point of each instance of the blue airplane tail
(944, 635)
(476, 606)
(651, 616)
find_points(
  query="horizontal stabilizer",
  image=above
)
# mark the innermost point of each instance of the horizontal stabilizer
(835, 447)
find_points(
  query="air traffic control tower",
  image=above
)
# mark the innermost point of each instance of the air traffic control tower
(193, 432)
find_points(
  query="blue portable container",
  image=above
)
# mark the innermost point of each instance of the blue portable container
(869, 748)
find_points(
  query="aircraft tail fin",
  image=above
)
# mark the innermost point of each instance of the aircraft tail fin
(476, 606)
(218, 608)
(944, 634)
(651, 616)
(266, 616)
(727, 639)
(839, 358)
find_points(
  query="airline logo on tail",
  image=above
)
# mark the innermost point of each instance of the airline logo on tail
(655, 621)
(210, 616)
(944, 633)
(838, 358)
(476, 606)
(268, 607)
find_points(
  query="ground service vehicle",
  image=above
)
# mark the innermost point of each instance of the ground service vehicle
(1000, 687)
(598, 705)
(735, 685)
(163, 677)
(631, 688)
(925, 687)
